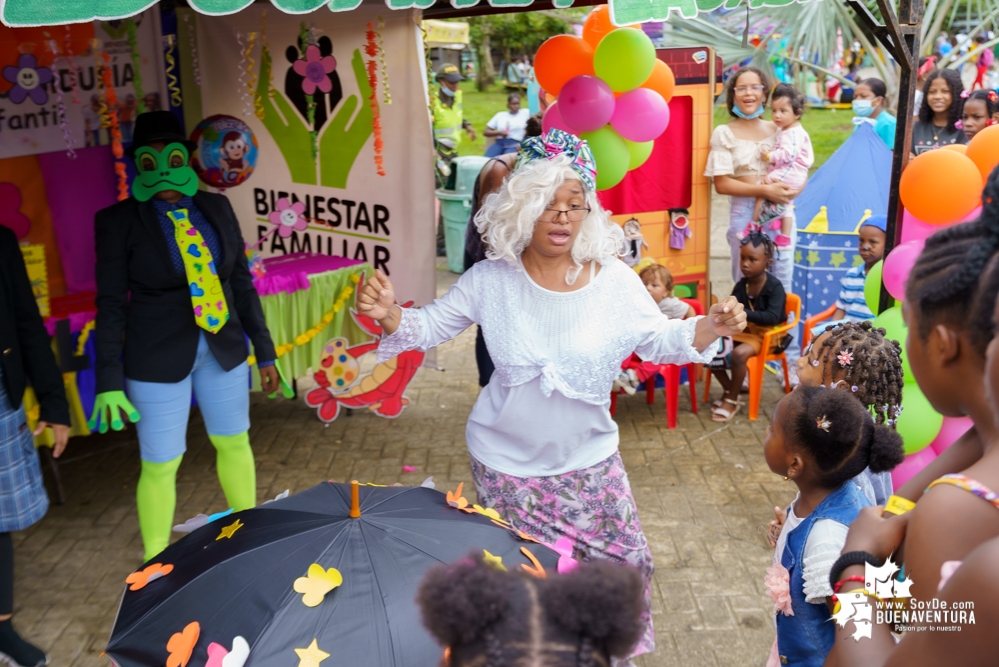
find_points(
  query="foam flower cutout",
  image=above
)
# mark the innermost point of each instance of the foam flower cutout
(316, 69)
(317, 583)
(139, 579)
(181, 645)
(455, 499)
(220, 656)
(29, 80)
(845, 358)
(566, 563)
(778, 583)
(535, 569)
(288, 217)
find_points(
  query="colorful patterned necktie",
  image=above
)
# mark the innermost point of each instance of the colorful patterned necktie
(210, 309)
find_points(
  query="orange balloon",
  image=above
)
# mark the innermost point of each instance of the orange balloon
(598, 24)
(561, 58)
(957, 148)
(661, 80)
(941, 187)
(983, 149)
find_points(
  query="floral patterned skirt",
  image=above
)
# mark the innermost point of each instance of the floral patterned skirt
(593, 507)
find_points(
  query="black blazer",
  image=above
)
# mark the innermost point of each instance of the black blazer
(25, 346)
(144, 305)
(768, 306)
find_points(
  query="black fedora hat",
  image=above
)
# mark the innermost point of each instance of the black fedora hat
(156, 126)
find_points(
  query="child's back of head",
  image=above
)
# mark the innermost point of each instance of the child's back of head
(491, 618)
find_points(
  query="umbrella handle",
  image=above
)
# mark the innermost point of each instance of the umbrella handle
(355, 500)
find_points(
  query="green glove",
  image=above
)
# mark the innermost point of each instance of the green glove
(108, 408)
(286, 389)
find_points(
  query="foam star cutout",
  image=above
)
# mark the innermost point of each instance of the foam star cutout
(495, 562)
(797, 256)
(837, 258)
(229, 530)
(311, 656)
(813, 258)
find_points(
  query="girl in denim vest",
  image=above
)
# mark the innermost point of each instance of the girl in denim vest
(820, 439)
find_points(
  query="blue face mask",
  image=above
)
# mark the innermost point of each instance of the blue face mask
(862, 108)
(447, 91)
(747, 116)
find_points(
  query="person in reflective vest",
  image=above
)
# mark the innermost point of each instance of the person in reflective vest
(447, 109)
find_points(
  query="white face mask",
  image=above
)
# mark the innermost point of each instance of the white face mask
(447, 91)
(862, 108)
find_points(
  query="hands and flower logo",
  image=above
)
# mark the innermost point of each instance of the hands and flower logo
(288, 217)
(315, 69)
(29, 80)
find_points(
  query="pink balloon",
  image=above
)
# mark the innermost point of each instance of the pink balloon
(897, 266)
(952, 429)
(553, 119)
(912, 464)
(586, 103)
(971, 216)
(640, 115)
(914, 229)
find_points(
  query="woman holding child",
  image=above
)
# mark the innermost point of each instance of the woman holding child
(559, 311)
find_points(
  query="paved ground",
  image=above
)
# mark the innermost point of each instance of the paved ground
(704, 495)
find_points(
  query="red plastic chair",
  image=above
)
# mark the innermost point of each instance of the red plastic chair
(671, 382)
(813, 322)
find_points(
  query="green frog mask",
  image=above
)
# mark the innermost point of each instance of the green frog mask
(163, 170)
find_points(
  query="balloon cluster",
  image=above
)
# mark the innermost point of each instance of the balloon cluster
(609, 89)
(938, 189)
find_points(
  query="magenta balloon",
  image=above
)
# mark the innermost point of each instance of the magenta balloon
(640, 115)
(586, 103)
(897, 266)
(952, 429)
(971, 216)
(914, 229)
(553, 119)
(912, 464)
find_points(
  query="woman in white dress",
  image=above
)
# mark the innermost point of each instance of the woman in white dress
(559, 311)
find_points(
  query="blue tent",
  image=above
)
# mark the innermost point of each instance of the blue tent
(849, 188)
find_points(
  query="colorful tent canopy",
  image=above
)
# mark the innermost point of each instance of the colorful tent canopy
(26, 13)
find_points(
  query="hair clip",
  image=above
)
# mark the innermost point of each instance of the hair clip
(855, 389)
(890, 422)
(845, 358)
(823, 423)
(993, 97)
(964, 94)
(815, 362)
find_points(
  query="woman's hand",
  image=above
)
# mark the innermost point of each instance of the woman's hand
(779, 193)
(60, 433)
(377, 301)
(727, 317)
(876, 535)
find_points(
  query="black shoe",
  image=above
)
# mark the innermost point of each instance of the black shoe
(442, 252)
(17, 652)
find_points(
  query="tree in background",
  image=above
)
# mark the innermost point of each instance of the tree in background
(514, 35)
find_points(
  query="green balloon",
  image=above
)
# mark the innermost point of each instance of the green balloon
(872, 286)
(893, 324)
(638, 153)
(610, 152)
(624, 59)
(919, 424)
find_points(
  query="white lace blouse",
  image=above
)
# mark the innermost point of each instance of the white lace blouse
(545, 411)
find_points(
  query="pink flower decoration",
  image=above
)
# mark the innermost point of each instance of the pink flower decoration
(315, 69)
(778, 586)
(845, 358)
(288, 217)
(566, 563)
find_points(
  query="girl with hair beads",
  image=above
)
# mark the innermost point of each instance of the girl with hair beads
(939, 113)
(763, 298)
(486, 617)
(980, 109)
(819, 438)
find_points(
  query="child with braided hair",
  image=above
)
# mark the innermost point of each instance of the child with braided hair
(979, 110)
(820, 438)
(487, 617)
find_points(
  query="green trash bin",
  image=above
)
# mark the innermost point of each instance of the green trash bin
(455, 209)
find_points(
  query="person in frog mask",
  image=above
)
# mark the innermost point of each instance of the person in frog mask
(174, 300)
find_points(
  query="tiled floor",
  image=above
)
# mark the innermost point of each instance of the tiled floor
(703, 491)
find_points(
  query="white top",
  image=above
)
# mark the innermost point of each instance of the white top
(731, 156)
(545, 410)
(514, 124)
(822, 548)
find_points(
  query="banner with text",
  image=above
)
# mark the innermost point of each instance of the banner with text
(303, 93)
(51, 92)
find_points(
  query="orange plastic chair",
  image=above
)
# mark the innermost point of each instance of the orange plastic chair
(671, 382)
(813, 322)
(755, 365)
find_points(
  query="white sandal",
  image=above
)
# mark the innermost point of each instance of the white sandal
(720, 414)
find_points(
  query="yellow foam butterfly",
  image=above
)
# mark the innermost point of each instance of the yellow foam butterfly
(317, 583)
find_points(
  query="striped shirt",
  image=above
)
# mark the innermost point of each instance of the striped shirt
(851, 295)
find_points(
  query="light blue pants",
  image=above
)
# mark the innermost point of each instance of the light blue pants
(164, 407)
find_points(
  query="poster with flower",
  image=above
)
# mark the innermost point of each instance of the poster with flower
(52, 95)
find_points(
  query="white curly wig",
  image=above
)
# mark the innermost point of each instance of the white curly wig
(507, 218)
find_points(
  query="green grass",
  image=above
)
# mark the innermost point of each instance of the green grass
(828, 129)
(478, 109)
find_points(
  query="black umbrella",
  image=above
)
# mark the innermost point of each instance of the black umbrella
(253, 575)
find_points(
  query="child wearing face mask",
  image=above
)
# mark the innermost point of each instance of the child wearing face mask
(788, 161)
(869, 107)
(980, 109)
